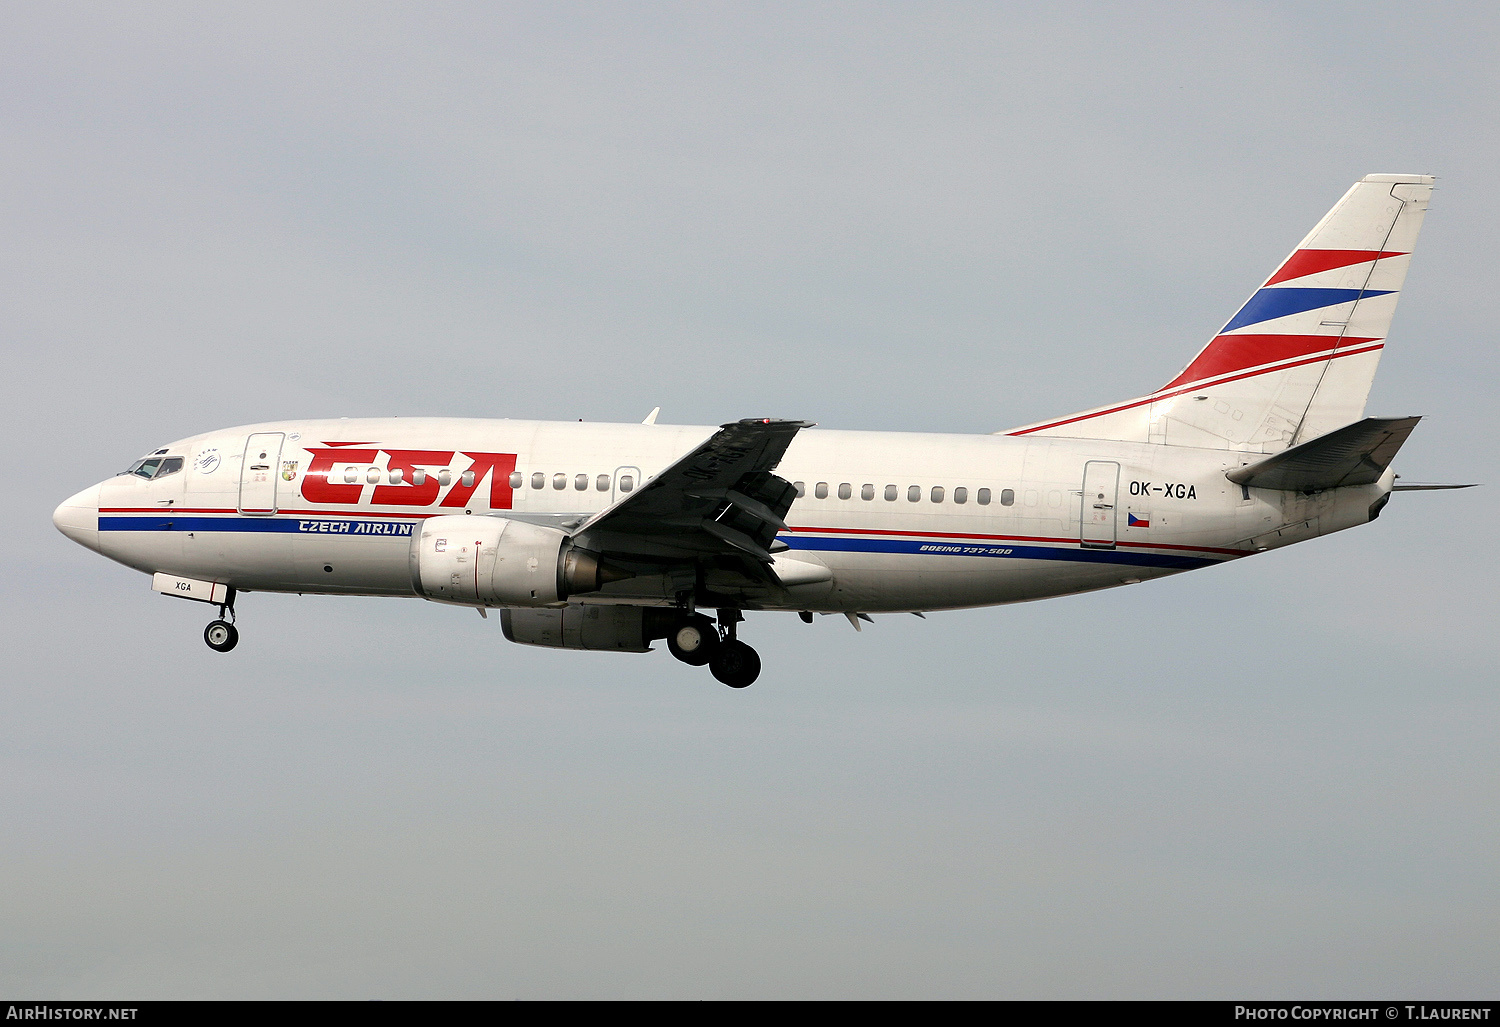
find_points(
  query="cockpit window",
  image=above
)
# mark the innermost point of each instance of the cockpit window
(156, 466)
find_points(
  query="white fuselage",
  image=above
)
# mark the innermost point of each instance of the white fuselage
(903, 521)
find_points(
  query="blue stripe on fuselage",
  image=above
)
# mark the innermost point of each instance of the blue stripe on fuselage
(292, 525)
(838, 544)
(968, 547)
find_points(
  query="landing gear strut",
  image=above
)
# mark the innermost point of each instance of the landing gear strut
(221, 635)
(696, 642)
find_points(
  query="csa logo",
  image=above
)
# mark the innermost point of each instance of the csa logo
(413, 481)
(207, 461)
(288, 470)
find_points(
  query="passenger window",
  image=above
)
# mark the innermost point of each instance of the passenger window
(445, 477)
(845, 491)
(960, 495)
(397, 474)
(559, 481)
(799, 487)
(538, 480)
(937, 493)
(603, 483)
(1031, 497)
(914, 494)
(419, 477)
(890, 493)
(821, 490)
(1007, 497)
(351, 475)
(467, 479)
(867, 492)
(627, 482)
(372, 475)
(516, 479)
(984, 497)
(581, 482)
(1054, 498)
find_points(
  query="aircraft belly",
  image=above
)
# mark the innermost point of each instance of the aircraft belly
(873, 582)
(148, 550)
(375, 564)
(253, 560)
(267, 554)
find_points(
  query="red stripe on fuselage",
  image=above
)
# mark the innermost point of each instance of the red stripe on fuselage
(1157, 397)
(352, 512)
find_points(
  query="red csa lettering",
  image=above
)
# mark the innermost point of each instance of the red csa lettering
(498, 466)
(316, 488)
(408, 494)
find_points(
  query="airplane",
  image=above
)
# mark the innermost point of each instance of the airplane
(608, 537)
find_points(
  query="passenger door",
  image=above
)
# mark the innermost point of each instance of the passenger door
(1101, 484)
(259, 472)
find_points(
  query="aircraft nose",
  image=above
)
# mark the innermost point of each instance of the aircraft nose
(78, 517)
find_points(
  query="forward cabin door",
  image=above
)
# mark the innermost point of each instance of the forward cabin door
(259, 472)
(1101, 485)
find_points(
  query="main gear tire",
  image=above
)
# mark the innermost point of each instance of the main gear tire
(735, 664)
(694, 642)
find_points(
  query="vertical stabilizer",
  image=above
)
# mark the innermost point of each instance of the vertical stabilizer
(1298, 358)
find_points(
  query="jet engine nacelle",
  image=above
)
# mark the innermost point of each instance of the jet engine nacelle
(619, 629)
(495, 561)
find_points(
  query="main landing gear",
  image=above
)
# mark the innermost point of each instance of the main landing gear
(696, 642)
(221, 635)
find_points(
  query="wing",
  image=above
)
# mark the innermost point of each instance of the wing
(719, 500)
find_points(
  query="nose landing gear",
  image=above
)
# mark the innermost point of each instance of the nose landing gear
(221, 635)
(697, 642)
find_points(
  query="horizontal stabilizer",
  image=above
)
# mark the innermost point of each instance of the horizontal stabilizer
(1430, 487)
(1356, 454)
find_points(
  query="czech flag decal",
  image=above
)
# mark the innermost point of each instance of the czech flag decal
(1132, 521)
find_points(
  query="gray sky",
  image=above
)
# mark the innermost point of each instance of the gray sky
(1277, 778)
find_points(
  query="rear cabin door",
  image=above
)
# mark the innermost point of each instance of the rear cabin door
(259, 472)
(1101, 485)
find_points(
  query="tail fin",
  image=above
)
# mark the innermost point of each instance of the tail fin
(1298, 359)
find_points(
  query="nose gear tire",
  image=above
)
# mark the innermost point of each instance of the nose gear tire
(221, 636)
